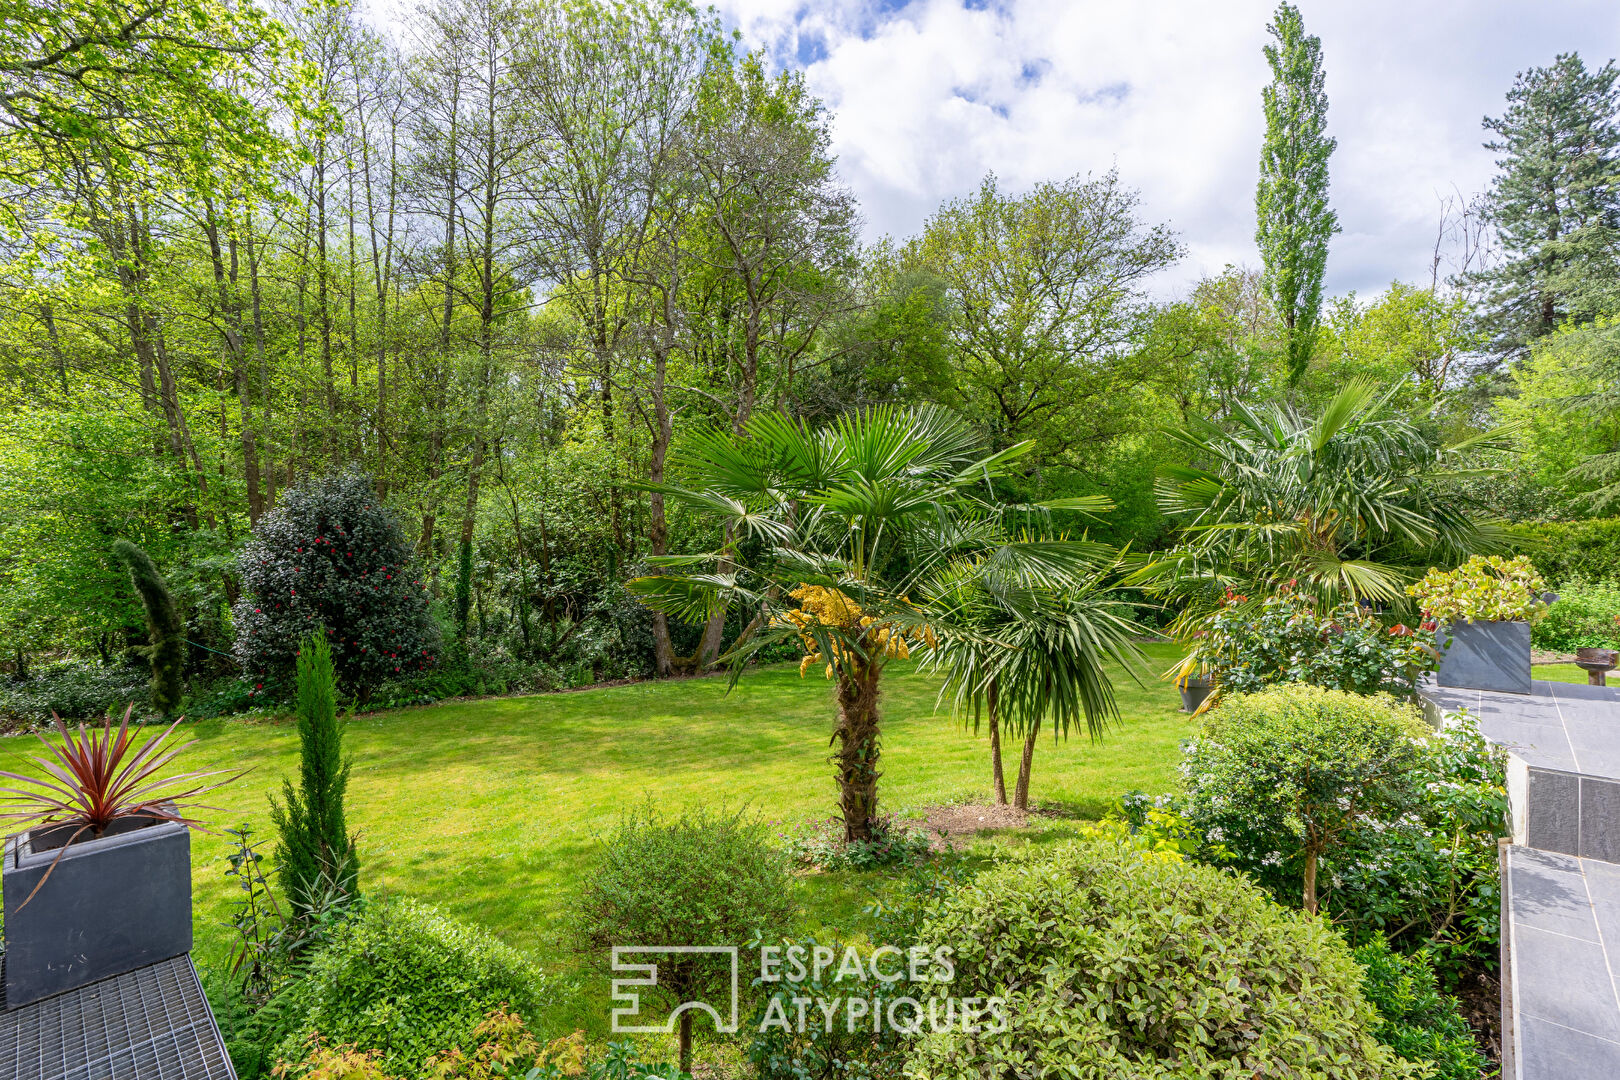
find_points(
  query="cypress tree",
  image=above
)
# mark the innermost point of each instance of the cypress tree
(1293, 221)
(315, 841)
(1555, 203)
(165, 630)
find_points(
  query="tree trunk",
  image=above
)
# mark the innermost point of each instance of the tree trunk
(657, 523)
(1021, 792)
(857, 750)
(686, 1042)
(993, 700)
(1310, 880)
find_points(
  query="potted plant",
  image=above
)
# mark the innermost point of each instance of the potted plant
(1195, 685)
(1480, 614)
(98, 880)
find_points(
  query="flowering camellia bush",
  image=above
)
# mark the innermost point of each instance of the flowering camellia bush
(331, 556)
(1286, 638)
(1483, 589)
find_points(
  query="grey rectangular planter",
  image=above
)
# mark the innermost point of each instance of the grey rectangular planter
(1486, 656)
(111, 905)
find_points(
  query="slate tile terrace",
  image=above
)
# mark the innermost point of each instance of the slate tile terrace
(1560, 876)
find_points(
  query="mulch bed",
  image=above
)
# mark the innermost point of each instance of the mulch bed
(945, 824)
(1480, 995)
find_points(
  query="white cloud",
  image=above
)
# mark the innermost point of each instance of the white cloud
(929, 95)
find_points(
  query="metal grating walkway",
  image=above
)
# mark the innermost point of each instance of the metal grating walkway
(149, 1024)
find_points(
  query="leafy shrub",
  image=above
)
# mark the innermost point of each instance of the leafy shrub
(914, 898)
(1156, 825)
(1585, 615)
(72, 690)
(839, 1050)
(402, 980)
(1483, 589)
(821, 846)
(702, 878)
(1292, 770)
(1418, 1022)
(1565, 551)
(1116, 966)
(225, 696)
(331, 556)
(1429, 878)
(1287, 639)
(501, 1047)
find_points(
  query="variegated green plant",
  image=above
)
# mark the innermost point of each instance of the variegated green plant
(1483, 589)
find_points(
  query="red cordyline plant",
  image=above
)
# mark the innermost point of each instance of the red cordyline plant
(101, 777)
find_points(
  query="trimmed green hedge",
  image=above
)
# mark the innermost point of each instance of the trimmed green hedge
(1564, 550)
(1116, 966)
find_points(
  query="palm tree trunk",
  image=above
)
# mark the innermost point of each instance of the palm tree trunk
(857, 750)
(993, 701)
(1021, 793)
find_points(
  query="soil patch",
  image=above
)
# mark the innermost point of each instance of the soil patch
(945, 823)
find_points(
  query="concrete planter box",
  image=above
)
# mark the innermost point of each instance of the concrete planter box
(1485, 656)
(111, 905)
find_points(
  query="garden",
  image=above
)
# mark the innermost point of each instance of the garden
(481, 515)
(436, 890)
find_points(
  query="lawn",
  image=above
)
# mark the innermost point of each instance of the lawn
(490, 809)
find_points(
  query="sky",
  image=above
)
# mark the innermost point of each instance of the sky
(927, 96)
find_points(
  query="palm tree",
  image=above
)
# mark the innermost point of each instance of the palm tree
(1346, 504)
(832, 537)
(1027, 653)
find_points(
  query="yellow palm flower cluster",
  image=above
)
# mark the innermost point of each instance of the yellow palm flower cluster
(821, 606)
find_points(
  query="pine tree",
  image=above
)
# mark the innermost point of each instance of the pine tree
(1293, 221)
(165, 630)
(1555, 204)
(315, 846)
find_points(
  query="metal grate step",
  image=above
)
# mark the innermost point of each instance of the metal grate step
(149, 1024)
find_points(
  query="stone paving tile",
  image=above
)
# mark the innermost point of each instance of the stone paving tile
(1550, 860)
(1550, 1052)
(1603, 887)
(1565, 980)
(1553, 900)
(1564, 916)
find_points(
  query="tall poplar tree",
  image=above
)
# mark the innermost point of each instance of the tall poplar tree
(1293, 221)
(1555, 204)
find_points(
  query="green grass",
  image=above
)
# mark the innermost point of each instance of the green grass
(491, 809)
(1562, 673)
